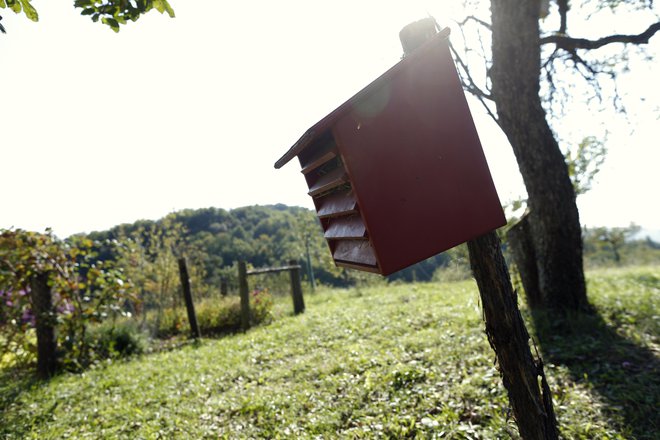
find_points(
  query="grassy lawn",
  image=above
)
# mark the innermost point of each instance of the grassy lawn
(397, 361)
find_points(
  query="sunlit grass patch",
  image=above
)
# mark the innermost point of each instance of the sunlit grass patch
(397, 361)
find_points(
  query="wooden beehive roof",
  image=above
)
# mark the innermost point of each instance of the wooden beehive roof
(318, 129)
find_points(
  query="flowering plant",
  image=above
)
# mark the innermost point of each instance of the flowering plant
(83, 291)
(261, 305)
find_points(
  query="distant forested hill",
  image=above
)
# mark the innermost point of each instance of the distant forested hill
(262, 235)
(275, 234)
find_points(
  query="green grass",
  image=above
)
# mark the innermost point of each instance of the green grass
(398, 361)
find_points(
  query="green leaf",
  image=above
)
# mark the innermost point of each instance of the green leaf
(168, 8)
(3, 4)
(29, 10)
(159, 5)
(14, 5)
(112, 23)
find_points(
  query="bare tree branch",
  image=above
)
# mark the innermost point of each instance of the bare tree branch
(578, 61)
(570, 44)
(550, 59)
(472, 87)
(563, 12)
(476, 20)
(549, 68)
(467, 80)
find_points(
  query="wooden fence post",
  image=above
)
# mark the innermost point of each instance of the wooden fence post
(310, 269)
(187, 296)
(520, 243)
(296, 288)
(223, 286)
(44, 313)
(245, 295)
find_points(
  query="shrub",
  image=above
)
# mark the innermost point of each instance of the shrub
(84, 292)
(261, 305)
(214, 315)
(219, 315)
(172, 321)
(116, 339)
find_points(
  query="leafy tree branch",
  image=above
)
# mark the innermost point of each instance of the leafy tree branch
(112, 13)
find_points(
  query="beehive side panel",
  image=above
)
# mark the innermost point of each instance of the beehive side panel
(416, 164)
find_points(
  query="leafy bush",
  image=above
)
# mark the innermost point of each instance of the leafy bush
(117, 339)
(149, 258)
(214, 315)
(218, 316)
(170, 322)
(261, 306)
(84, 292)
(17, 351)
(17, 340)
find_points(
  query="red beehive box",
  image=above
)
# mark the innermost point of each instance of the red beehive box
(397, 173)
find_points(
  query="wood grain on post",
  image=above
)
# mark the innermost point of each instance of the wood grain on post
(44, 313)
(187, 297)
(245, 295)
(296, 288)
(530, 400)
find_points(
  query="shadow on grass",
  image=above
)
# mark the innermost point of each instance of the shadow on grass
(13, 382)
(625, 374)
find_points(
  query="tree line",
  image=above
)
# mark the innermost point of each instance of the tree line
(215, 239)
(265, 236)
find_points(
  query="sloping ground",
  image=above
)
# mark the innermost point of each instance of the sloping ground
(390, 361)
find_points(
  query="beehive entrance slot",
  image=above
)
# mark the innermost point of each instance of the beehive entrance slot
(350, 226)
(357, 252)
(317, 154)
(340, 201)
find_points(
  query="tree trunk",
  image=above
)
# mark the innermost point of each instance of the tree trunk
(44, 313)
(554, 221)
(529, 397)
(522, 248)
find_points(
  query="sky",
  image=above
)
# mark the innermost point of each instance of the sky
(99, 128)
